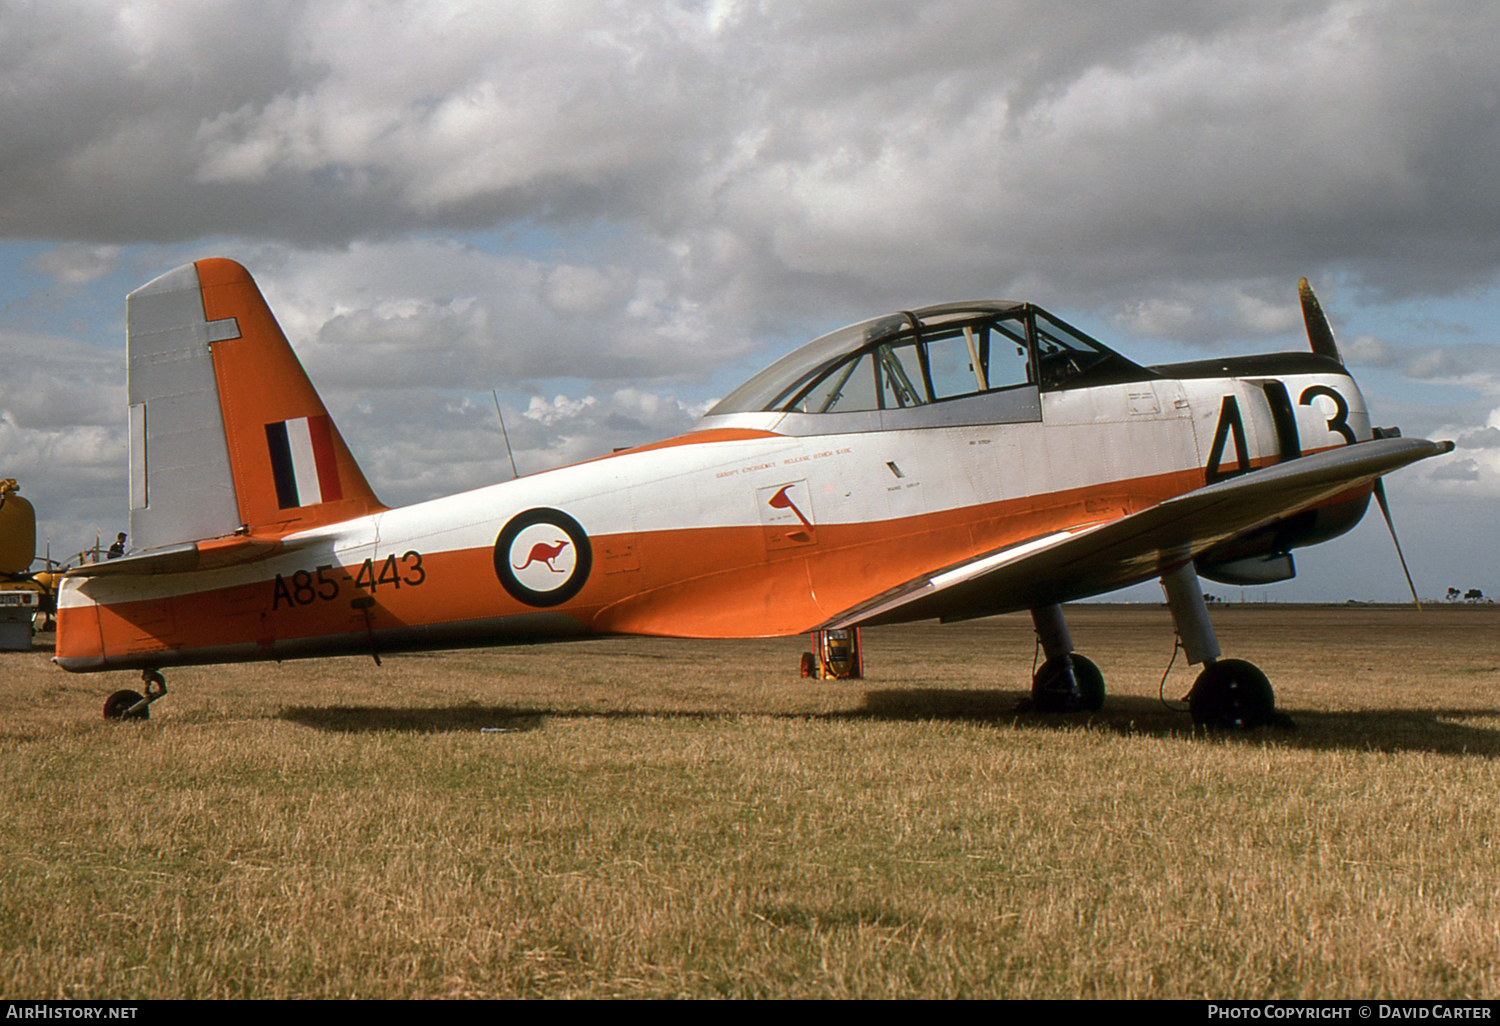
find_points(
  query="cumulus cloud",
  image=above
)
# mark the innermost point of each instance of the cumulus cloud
(62, 434)
(1472, 365)
(57, 383)
(1455, 470)
(78, 264)
(427, 443)
(1472, 471)
(573, 429)
(432, 313)
(1205, 313)
(1486, 438)
(909, 151)
(641, 192)
(1471, 370)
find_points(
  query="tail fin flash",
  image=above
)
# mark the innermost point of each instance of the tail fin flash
(227, 434)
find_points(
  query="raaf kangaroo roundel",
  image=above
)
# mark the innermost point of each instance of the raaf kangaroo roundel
(543, 557)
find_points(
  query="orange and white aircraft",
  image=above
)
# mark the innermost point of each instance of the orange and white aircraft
(954, 461)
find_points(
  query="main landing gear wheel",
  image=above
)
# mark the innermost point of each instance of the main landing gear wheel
(1232, 694)
(132, 705)
(1068, 683)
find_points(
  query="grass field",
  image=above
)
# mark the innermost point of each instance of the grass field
(662, 818)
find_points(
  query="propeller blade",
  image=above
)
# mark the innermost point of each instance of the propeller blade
(1385, 508)
(1318, 331)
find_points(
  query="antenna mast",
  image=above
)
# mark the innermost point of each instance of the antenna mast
(505, 434)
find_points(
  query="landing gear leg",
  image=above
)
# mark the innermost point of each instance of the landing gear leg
(1066, 682)
(132, 705)
(1230, 694)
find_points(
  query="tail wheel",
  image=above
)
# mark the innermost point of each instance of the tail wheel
(118, 705)
(122, 704)
(1232, 695)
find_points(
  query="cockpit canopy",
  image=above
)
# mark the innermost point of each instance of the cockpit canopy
(931, 355)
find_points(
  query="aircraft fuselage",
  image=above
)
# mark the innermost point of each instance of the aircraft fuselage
(756, 524)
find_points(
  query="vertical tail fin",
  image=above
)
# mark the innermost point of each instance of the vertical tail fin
(227, 434)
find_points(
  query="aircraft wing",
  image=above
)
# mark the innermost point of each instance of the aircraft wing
(1094, 559)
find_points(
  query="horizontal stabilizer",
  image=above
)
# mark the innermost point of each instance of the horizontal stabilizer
(214, 554)
(1095, 559)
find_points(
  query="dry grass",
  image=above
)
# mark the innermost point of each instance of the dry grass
(669, 818)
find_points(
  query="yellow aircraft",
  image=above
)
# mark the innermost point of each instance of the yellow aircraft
(23, 595)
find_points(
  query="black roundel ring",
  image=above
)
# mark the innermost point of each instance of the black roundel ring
(542, 557)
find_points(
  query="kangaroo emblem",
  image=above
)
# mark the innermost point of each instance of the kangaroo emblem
(541, 552)
(783, 501)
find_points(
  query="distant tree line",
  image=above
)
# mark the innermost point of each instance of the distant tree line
(1472, 595)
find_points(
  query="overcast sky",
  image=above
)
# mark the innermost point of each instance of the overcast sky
(613, 212)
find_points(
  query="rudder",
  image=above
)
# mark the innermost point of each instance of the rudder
(227, 434)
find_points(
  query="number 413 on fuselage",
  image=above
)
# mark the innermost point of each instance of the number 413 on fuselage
(953, 461)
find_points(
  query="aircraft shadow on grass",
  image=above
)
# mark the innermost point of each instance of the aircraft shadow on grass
(369, 719)
(1438, 731)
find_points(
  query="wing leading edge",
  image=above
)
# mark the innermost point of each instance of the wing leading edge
(1094, 559)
